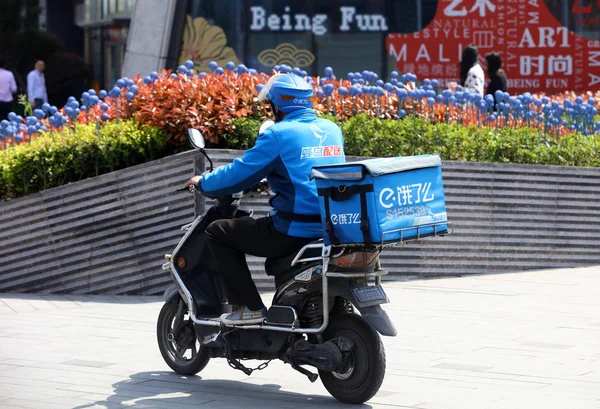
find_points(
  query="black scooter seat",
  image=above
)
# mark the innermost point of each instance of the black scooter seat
(278, 266)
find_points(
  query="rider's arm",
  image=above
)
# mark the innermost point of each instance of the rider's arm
(243, 172)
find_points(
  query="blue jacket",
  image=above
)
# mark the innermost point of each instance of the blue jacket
(285, 154)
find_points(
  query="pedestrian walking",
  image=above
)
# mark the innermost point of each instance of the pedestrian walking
(36, 85)
(496, 74)
(8, 87)
(472, 77)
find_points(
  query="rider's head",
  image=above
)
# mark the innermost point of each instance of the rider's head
(286, 93)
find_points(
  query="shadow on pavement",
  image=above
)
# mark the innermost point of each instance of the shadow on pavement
(169, 390)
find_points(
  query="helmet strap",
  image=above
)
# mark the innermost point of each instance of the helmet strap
(277, 114)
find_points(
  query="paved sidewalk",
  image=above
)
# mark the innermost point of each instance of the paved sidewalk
(511, 341)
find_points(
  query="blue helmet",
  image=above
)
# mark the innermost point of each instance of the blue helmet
(288, 92)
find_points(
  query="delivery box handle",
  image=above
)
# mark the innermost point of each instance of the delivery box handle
(343, 193)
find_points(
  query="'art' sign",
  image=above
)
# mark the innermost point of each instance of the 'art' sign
(538, 52)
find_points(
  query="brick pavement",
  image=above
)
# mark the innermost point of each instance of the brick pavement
(511, 341)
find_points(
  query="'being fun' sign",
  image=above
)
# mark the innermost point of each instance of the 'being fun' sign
(349, 19)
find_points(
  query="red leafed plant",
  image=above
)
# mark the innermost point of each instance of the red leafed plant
(174, 104)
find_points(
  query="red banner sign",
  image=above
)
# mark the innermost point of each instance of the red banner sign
(538, 52)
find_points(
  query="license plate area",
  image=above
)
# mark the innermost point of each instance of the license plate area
(370, 295)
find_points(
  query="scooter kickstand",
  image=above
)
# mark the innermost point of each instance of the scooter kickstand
(311, 376)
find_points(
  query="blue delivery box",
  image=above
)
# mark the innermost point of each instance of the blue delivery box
(379, 201)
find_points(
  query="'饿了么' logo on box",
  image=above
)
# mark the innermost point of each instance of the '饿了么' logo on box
(345, 218)
(406, 195)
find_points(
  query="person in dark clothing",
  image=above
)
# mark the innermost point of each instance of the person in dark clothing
(496, 74)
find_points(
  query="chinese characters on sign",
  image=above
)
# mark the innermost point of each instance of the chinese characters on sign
(538, 52)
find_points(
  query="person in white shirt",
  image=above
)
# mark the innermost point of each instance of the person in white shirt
(8, 87)
(36, 85)
(472, 77)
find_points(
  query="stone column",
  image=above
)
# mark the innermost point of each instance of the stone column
(149, 37)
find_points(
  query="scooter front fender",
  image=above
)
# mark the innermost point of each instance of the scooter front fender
(172, 289)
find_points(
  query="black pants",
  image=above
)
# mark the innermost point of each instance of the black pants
(229, 240)
(5, 108)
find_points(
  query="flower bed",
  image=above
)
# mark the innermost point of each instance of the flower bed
(173, 102)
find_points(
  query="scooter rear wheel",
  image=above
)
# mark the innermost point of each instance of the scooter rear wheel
(181, 351)
(364, 369)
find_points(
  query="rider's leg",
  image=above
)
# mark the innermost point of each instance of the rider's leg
(230, 239)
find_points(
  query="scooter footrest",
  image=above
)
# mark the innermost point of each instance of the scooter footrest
(282, 315)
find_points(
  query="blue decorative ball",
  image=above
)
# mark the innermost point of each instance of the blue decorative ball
(129, 96)
(230, 66)
(115, 92)
(189, 64)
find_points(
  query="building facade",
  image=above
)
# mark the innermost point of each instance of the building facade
(546, 45)
(106, 27)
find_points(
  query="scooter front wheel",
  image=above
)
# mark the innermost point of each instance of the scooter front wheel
(178, 346)
(363, 369)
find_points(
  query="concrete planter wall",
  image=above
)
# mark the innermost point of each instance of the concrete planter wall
(109, 234)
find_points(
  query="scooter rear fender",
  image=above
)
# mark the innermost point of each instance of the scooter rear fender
(374, 314)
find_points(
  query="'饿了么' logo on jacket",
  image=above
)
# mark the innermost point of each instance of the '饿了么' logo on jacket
(320, 151)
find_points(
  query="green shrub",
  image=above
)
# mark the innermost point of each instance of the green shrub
(366, 136)
(243, 133)
(54, 159)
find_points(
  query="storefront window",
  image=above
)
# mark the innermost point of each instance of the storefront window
(348, 35)
(579, 16)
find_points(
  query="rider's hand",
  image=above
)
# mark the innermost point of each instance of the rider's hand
(193, 181)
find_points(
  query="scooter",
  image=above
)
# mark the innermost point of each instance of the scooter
(313, 319)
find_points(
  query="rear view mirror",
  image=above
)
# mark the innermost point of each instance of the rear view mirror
(196, 138)
(265, 125)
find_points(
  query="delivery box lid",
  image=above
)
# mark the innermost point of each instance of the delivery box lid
(375, 167)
